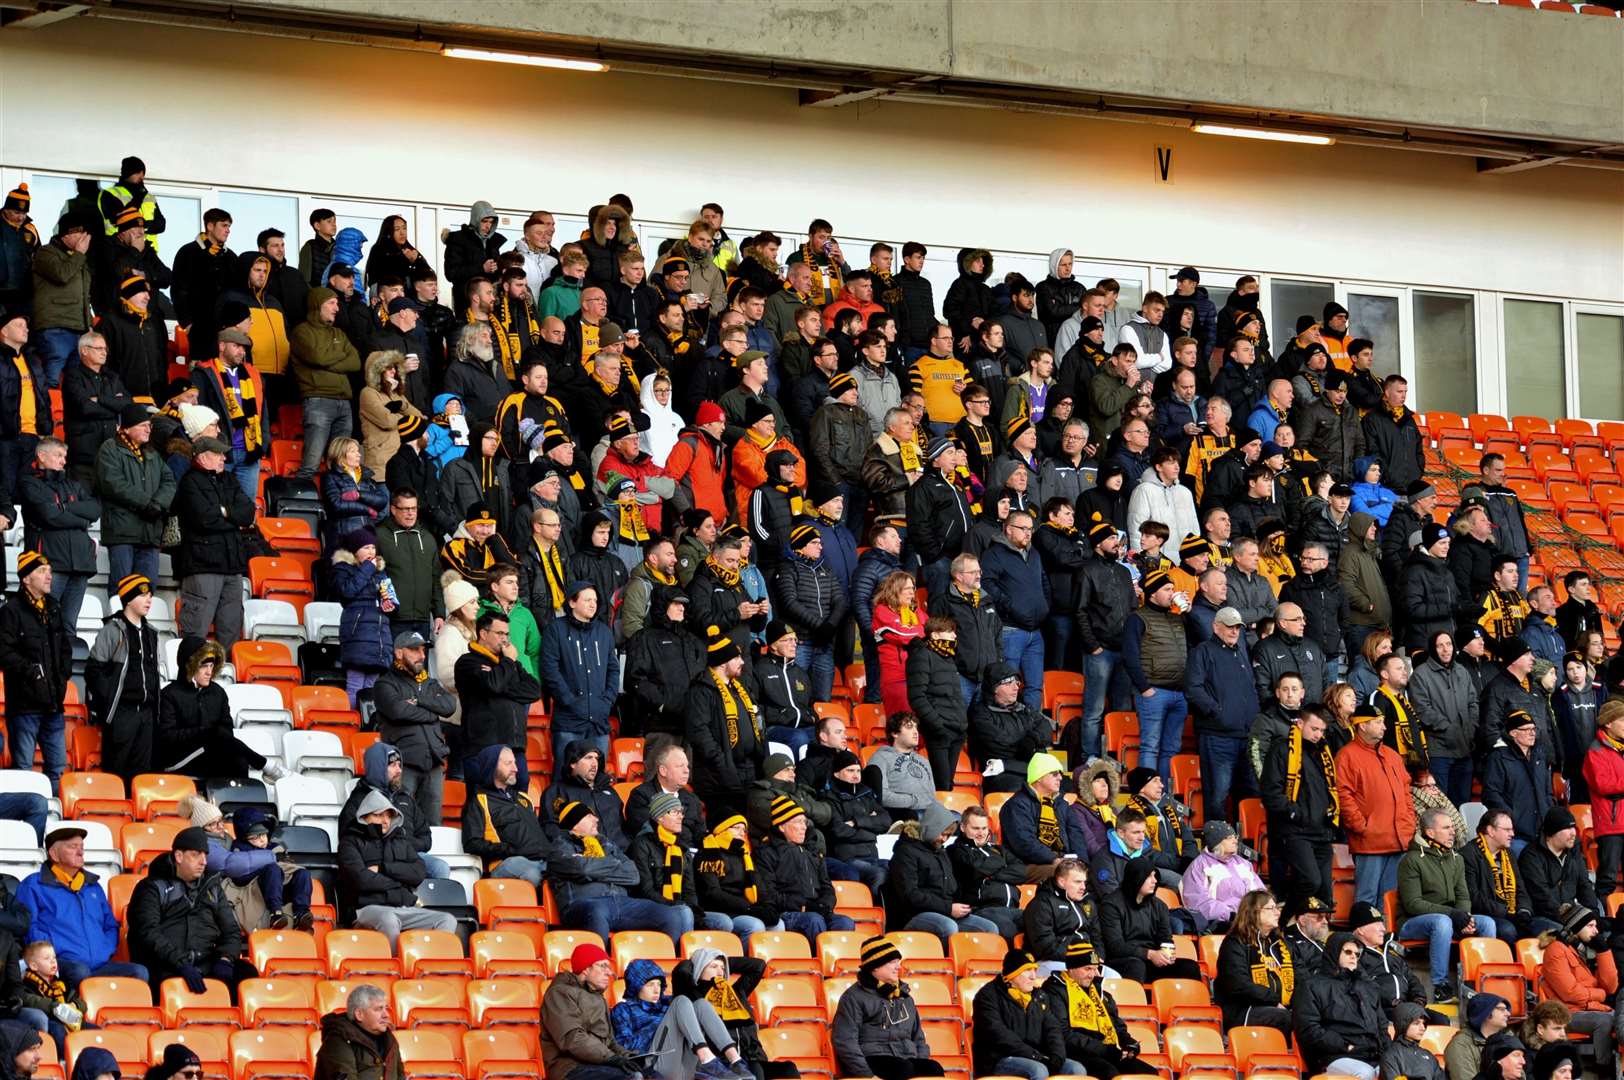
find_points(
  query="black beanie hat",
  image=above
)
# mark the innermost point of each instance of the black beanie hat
(130, 166)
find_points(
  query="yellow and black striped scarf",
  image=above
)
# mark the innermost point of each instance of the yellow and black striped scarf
(631, 526)
(1504, 874)
(671, 869)
(728, 579)
(1410, 740)
(130, 445)
(718, 840)
(552, 568)
(1048, 825)
(949, 649)
(1294, 771)
(1087, 1011)
(241, 407)
(506, 347)
(726, 1001)
(1153, 818)
(731, 705)
(1274, 967)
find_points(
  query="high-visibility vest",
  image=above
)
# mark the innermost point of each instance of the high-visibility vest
(149, 210)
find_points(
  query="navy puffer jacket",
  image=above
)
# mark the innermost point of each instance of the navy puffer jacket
(363, 628)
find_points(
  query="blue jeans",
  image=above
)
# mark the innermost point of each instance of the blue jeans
(74, 972)
(46, 730)
(742, 925)
(325, 419)
(605, 914)
(1522, 575)
(945, 926)
(434, 865)
(247, 474)
(818, 661)
(1374, 876)
(1440, 933)
(1102, 674)
(870, 872)
(1058, 634)
(1334, 667)
(809, 924)
(277, 894)
(56, 347)
(1024, 650)
(517, 866)
(1161, 729)
(970, 690)
(22, 806)
(124, 560)
(1454, 776)
(1036, 1070)
(1223, 763)
(561, 741)
(936, 576)
(69, 590)
(796, 738)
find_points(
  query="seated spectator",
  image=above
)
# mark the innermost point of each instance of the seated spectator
(1434, 900)
(590, 877)
(1385, 964)
(1093, 1032)
(856, 820)
(411, 706)
(1553, 868)
(194, 721)
(379, 871)
(795, 879)
(67, 906)
(725, 872)
(252, 826)
(476, 547)
(255, 875)
(1094, 811)
(577, 1041)
(1341, 1028)
(921, 888)
(1256, 970)
(1220, 878)
(898, 773)
(724, 728)
(181, 924)
(1546, 1023)
(495, 693)
(382, 770)
(358, 1041)
(42, 999)
(786, 690)
(1487, 1015)
(686, 1038)
(1555, 1061)
(582, 779)
(1034, 828)
(499, 824)
(1017, 1033)
(987, 878)
(1492, 881)
(665, 868)
(1137, 929)
(1573, 976)
(20, 1050)
(1310, 928)
(1061, 912)
(781, 782)
(1005, 729)
(726, 983)
(1167, 821)
(876, 1030)
(1127, 840)
(1405, 1056)
(816, 765)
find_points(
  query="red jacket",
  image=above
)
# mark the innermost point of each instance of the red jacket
(1569, 979)
(639, 470)
(1374, 789)
(701, 462)
(1604, 775)
(847, 300)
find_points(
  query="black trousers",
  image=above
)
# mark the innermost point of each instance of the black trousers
(943, 756)
(1268, 1016)
(1139, 969)
(1105, 1066)
(1609, 852)
(893, 1068)
(1302, 865)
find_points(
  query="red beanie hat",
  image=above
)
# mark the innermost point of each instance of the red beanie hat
(708, 413)
(585, 955)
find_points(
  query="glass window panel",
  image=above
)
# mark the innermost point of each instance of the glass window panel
(1376, 318)
(1445, 353)
(1601, 365)
(1290, 299)
(251, 213)
(183, 220)
(50, 195)
(1534, 358)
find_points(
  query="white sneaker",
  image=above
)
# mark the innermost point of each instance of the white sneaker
(273, 772)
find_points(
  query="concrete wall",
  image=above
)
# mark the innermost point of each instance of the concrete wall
(282, 114)
(1445, 63)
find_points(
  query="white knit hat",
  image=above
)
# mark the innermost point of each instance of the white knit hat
(202, 812)
(458, 593)
(194, 418)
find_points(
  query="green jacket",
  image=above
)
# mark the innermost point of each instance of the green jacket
(135, 494)
(562, 298)
(1360, 574)
(524, 633)
(322, 355)
(1431, 882)
(413, 559)
(349, 1053)
(61, 289)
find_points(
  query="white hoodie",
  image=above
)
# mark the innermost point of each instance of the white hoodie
(1171, 504)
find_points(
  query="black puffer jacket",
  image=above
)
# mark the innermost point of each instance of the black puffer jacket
(794, 879)
(986, 874)
(1471, 561)
(1130, 924)
(662, 659)
(1009, 733)
(809, 597)
(137, 352)
(935, 694)
(921, 877)
(968, 298)
(981, 631)
(1324, 604)
(174, 924)
(1058, 300)
(1338, 1016)
(916, 313)
(1104, 601)
(1006, 1028)
(1430, 599)
(57, 513)
(938, 517)
(213, 511)
(727, 757)
(36, 655)
(858, 818)
(388, 847)
(1054, 921)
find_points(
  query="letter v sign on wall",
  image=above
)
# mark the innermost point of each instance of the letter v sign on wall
(1164, 164)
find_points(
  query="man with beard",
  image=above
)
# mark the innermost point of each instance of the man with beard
(410, 708)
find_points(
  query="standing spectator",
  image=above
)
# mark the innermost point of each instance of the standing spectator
(322, 359)
(380, 870)
(1105, 597)
(1604, 775)
(213, 512)
(1434, 899)
(500, 824)
(137, 489)
(61, 287)
(896, 626)
(36, 657)
(813, 603)
(67, 906)
(1223, 697)
(1300, 796)
(1578, 615)
(503, 585)
(725, 730)
(876, 1030)
(1517, 779)
(580, 671)
(1505, 509)
(194, 735)
(57, 512)
(1013, 577)
(411, 706)
(316, 253)
(358, 1041)
(204, 270)
(1392, 436)
(472, 251)
(410, 551)
(936, 698)
(93, 396)
(495, 693)
(1155, 654)
(232, 387)
(181, 924)
(362, 585)
(121, 682)
(662, 659)
(1377, 814)
(1446, 705)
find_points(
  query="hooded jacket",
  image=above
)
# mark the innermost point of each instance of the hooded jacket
(969, 298)
(603, 251)
(175, 924)
(375, 777)
(1431, 598)
(599, 796)
(1129, 923)
(364, 631)
(1360, 575)
(1335, 1012)
(1058, 297)
(322, 355)
(348, 1052)
(1446, 700)
(1171, 504)
(136, 493)
(921, 876)
(388, 847)
(1009, 733)
(466, 251)
(189, 717)
(662, 659)
(744, 973)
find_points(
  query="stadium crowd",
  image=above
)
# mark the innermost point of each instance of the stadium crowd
(675, 493)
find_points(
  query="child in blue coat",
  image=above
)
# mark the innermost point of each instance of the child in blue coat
(1369, 497)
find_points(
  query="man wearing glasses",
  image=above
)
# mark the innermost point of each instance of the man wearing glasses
(1316, 592)
(1286, 650)
(1016, 583)
(92, 397)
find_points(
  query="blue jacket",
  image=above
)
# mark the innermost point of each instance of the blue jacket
(580, 672)
(1543, 638)
(80, 924)
(1173, 414)
(443, 446)
(1018, 587)
(1263, 419)
(1375, 500)
(1220, 689)
(239, 864)
(1520, 786)
(839, 551)
(1018, 823)
(872, 568)
(635, 1020)
(345, 516)
(363, 628)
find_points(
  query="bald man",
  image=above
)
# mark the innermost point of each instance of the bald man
(1289, 649)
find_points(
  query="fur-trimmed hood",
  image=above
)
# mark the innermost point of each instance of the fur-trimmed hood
(1087, 775)
(970, 255)
(378, 363)
(347, 558)
(195, 651)
(623, 226)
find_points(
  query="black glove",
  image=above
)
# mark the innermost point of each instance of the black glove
(193, 977)
(1459, 919)
(766, 913)
(392, 406)
(826, 912)
(222, 969)
(624, 1064)
(152, 513)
